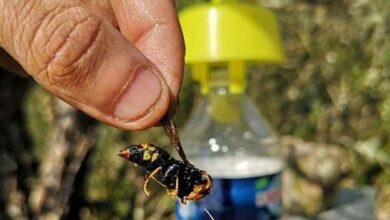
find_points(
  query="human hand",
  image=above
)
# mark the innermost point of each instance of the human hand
(74, 49)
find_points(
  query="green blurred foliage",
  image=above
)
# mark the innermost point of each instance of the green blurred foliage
(334, 85)
(39, 119)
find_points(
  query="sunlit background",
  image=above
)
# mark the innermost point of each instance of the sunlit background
(329, 101)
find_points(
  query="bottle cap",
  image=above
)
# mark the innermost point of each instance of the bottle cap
(224, 31)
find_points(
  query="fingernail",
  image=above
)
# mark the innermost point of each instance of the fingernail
(142, 93)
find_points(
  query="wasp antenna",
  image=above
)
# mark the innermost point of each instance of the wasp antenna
(208, 213)
(171, 130)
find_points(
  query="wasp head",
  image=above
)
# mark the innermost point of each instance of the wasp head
(201, 190)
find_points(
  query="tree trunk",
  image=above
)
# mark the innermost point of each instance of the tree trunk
(30, 189)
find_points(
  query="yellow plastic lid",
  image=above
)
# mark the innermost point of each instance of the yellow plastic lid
(224, 31)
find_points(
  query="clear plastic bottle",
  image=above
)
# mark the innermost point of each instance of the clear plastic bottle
(228, 137)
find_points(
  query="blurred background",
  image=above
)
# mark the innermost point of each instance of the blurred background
(329, 102)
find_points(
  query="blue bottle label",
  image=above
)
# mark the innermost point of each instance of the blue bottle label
(257, 198)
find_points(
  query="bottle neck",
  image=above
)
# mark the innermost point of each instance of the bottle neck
(219, 84)
(215, 77)
(225, 92)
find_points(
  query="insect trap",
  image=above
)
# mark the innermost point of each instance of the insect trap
(226, 135)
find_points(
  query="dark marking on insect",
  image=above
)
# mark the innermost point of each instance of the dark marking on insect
(180, 178)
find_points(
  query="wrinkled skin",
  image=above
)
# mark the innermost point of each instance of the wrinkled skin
(120, 61)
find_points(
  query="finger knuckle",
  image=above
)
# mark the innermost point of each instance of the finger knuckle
(3, 12)
(8, 22)
(19, 20)
(66, 48)
(2, 8)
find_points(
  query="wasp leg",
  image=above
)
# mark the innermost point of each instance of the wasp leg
(160, 183)
(173, 192)
(151, 175)
(184, 200)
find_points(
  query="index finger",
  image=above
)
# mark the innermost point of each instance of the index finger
(153, 27)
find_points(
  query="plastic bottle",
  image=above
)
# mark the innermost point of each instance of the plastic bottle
(226, 135)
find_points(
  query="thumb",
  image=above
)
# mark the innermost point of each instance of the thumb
(84, 60)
